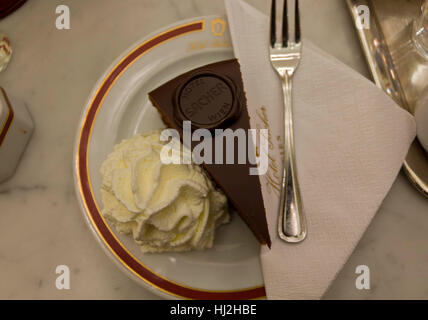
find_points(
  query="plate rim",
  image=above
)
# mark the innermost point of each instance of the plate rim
(155, 282)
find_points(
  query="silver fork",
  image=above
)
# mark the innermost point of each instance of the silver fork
(285, 57)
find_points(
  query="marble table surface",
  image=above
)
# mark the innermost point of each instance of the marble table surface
(41, 225)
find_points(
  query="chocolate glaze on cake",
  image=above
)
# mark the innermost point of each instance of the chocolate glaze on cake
(213, 97)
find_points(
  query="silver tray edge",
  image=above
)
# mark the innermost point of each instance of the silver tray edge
(382, 76)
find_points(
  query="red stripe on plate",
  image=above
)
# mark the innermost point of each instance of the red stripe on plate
(9, 119)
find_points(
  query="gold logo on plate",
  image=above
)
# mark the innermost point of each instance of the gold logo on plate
(218, 27)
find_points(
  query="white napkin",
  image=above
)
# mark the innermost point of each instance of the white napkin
(351, 140)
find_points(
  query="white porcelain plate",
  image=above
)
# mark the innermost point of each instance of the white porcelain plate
(117, 109)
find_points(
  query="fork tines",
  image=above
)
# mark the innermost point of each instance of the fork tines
(297, 31)
(285, 38)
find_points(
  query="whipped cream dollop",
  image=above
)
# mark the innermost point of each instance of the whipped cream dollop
(5, 52)
(165, 207)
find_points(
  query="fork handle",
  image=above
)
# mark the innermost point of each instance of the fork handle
(292, 222)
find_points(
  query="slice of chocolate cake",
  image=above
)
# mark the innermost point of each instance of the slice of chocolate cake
(212, 97)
